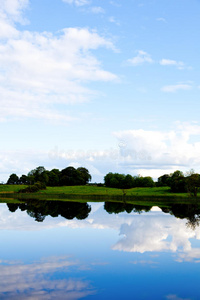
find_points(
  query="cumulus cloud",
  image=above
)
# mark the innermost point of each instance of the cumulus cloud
(157, 149)
(11, 10)
(145, 152)
(39, 70)
(176, 87)
(141, 58)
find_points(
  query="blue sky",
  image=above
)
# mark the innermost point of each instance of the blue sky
(108, 85)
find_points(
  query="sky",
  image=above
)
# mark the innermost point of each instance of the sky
(112, 86)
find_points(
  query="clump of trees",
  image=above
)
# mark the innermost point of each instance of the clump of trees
(180, 183)
(68, 176)
(116, 180)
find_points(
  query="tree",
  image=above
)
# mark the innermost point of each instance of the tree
(193, 184)
(163, 180)
(13, 179)
(24, 179)
(128, 182)
(53, 177)
(83, 175)
(147, 182)
(72, 176)
(38, 174)
(177, 182)
(69, 176)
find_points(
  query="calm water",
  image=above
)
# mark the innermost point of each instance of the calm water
(99, 251)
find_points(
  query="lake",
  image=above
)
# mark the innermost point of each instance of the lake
(71, 250)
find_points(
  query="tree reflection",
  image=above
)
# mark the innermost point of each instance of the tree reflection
(118, 207)
(40, 209)
(190, 212)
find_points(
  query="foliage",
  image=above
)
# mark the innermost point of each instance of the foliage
(55, 177)
(180, 183)
(116, 180)
(33, 188)
(13, 179)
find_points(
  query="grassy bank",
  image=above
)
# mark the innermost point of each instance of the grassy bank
(93, 192)
(96, 191)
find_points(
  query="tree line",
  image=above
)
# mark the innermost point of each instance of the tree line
(177, 181)
(40, 178)
(68, 176)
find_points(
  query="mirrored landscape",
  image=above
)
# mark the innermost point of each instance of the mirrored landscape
(111, 250)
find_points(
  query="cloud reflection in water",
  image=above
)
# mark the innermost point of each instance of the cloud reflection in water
(37, 281)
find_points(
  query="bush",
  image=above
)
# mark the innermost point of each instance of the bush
(34, 188)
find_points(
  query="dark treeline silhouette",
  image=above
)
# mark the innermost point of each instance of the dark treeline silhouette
(40, 209)
(68, 176)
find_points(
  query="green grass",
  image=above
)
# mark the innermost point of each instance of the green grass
(89, 190)
(94, 190)
(11, 188)
(160, 196)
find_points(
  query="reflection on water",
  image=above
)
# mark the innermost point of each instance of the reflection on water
(99, 251)
(37, 280)
(40, 209)
(70, 210)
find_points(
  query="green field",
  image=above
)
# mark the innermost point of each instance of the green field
(90, 190)
(94, 190)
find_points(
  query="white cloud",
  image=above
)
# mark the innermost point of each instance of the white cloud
(77, 2)
(11, 10)
(145, 152)
(176, 87)
(170, 62)
(141, 58)
(42, 69)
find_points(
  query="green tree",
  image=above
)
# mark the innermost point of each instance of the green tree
(13, 179)
(163, 180)
(177, 182)
(24, 179)
(193, 184)
(83, 175)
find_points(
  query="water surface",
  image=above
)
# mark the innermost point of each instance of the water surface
(61, 250)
